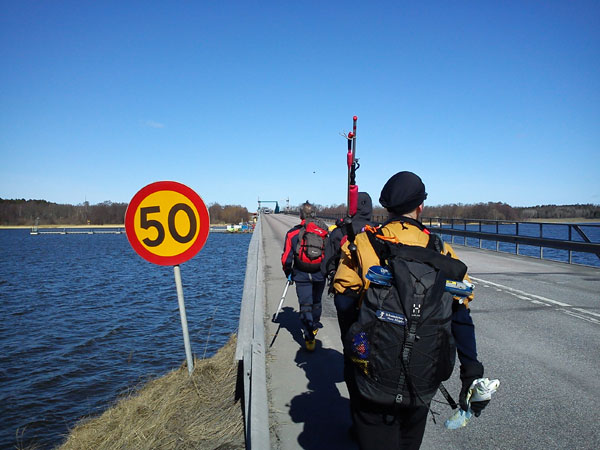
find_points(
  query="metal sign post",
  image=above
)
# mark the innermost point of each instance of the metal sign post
(184, 327)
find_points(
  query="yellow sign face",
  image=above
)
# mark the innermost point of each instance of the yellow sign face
(167, 223)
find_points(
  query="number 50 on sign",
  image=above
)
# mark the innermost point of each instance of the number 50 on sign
(167, 223)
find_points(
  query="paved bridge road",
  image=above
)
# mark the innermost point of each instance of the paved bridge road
(538, 331)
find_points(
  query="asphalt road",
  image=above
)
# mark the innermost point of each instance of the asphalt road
(538, 332)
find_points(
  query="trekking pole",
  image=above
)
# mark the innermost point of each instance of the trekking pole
(285, 289)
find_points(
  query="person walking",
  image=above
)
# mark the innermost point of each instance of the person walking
(302, 255)
(346, 306)
(400, 426)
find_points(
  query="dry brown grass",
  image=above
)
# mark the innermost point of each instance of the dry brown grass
(173, 412)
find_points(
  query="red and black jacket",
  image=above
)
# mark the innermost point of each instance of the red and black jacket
(287, 257)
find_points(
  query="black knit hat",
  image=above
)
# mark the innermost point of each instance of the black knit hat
(403, 193)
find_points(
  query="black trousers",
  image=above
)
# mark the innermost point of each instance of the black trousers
(404, 429)
(347, 314)
(309, 294)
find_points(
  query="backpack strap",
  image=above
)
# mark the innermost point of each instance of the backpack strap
(298, 247)
(415, 318)
(435, 243)
(380, 247)
(447, 396)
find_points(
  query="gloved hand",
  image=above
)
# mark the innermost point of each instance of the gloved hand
(468, 374)
(477, 407)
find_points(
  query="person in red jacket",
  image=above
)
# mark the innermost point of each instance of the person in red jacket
(310, 282)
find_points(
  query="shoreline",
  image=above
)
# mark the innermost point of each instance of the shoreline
(175, 410)
(28, 227)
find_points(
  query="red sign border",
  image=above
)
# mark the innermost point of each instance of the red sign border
(190, 195)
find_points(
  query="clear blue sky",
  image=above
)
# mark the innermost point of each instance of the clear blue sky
(241, 100)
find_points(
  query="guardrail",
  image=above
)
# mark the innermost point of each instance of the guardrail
(250, 349)
(474, 228)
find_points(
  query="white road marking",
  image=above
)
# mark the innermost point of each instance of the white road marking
(585, 311)
(538, 299)
(579, 316)
(517, 291)
(537, 302)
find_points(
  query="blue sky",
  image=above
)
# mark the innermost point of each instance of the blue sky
(246, 100)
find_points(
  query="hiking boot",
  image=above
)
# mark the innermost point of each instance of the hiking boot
(309, 340)
(310, 345)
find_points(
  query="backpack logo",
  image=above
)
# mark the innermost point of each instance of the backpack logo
(310, 249)
(391, 317)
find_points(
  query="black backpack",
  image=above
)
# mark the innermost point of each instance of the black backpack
(310, 248)
(402, 345)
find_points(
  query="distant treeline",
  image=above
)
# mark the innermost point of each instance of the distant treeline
(502, 211)
(27, 212)
(490, 210)
(228, 214)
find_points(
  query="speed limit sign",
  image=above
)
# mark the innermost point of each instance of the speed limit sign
(167, 223)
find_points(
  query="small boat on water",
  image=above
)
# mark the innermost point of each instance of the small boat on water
(242, 227)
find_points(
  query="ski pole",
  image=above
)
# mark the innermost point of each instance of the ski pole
(285, 289)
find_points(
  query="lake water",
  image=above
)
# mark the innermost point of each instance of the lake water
(85, 319)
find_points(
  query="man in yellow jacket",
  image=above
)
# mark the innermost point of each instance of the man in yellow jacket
(378, 427)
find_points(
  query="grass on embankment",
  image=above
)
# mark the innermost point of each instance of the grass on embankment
(176, 411)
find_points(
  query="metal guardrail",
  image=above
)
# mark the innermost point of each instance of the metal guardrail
(448, 226)
(250, 349)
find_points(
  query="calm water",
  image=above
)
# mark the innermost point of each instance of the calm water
(85, 319)
(552, 231)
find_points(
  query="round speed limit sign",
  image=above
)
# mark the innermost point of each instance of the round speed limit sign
(167, 223)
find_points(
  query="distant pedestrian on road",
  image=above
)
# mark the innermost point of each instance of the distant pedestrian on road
(396, 419)
(303, 252)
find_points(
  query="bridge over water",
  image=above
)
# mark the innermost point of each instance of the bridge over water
(538, 331)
